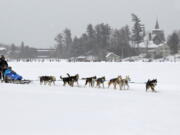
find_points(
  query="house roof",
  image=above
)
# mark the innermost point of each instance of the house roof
(111, 53)
(45, 50)
(2, 49)
(150, 45)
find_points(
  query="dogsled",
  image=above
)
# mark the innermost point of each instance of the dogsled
(12, 77)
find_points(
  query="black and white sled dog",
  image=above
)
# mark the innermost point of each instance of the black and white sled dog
(75, 78)
(100, 81)
(150, 84)
(90, 81)
(67, 80)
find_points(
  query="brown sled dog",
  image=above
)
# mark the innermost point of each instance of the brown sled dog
(90, 81)
(47, 79)
(151, 84)
(75, 78)
(100, 81)
(67, 80)
(115, 81)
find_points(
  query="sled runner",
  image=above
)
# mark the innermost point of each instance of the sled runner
(18, 81)
(12, 77)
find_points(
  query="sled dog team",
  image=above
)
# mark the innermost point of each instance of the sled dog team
(122, 83)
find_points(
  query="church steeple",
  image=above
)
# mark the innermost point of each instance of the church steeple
(157, 25)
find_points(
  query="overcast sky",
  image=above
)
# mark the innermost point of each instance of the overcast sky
(37, 22)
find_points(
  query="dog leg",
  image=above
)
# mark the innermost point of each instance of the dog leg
(77, 83)
(120, 86)
(72, 83)
(103, 85)
(123, 85)
(127, 86)
(114, 86)
(86, 83)
(99, 85)
(109, 85)
(153, 90)
(92, 84)
(64, 84)
(44, 82)
(49, 83)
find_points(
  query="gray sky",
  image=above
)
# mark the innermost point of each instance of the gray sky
(37, 22)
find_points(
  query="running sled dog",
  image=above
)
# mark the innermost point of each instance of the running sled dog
(67, 80)
(47, 80)
(125, 83)
(100, 81)
(90, 81)
(115, 82)
(75, 78)
(150, 84)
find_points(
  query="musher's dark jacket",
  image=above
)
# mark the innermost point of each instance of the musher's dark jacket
(3, 63)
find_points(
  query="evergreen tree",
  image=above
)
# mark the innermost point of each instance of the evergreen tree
(68, 42)
(173, 43)
(76, 47)
(103, 32)
(137, 30)
(60, 46)
(22, 50)
(120, 40)
(91, 33)
(13, 49)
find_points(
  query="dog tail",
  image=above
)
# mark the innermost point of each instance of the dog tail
(61, 77)
(68, 74)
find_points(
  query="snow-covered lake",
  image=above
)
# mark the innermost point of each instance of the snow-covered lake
(57, 110)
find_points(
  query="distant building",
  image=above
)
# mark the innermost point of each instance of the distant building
(89, 58)
(157, 35)
(154, 43)
(162, 50)
(45, 53)
(3, 50)
(112, 57)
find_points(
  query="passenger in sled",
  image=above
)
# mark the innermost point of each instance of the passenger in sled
(11, 76)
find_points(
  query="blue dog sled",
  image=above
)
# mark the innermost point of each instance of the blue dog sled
(12, 77)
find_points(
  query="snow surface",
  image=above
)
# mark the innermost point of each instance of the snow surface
(56, 110)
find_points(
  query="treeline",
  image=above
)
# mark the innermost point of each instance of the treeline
(98, 40)
(102, 38)
(22, 51)
(173, 42)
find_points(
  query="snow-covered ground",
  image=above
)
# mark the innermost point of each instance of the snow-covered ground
(56, 110)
